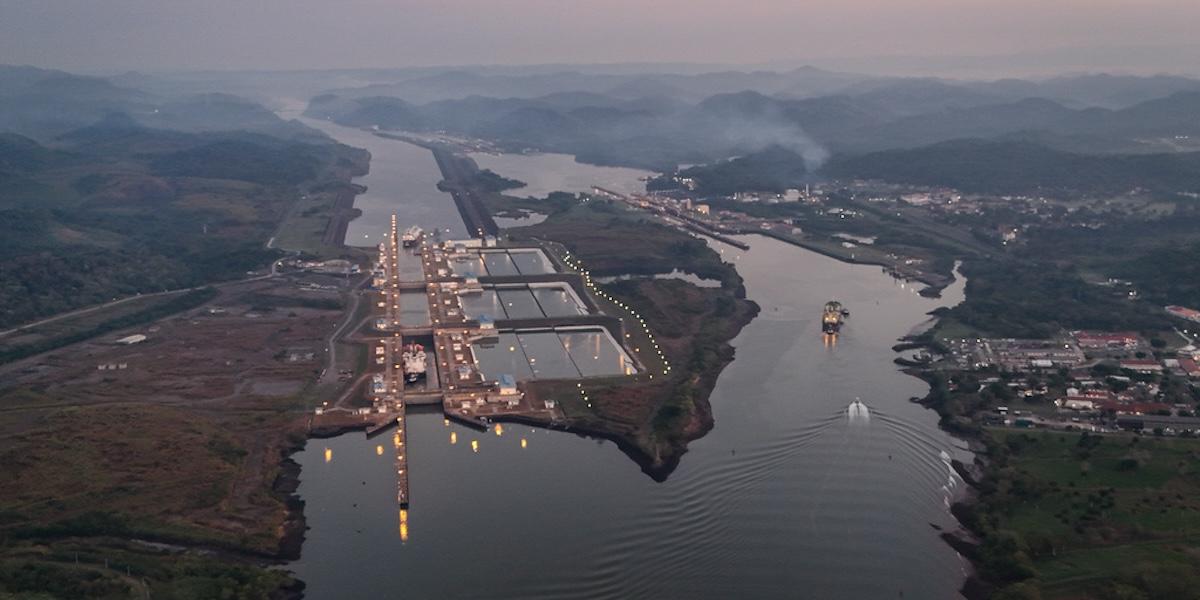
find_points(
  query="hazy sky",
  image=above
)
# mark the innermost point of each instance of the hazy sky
(236, 34)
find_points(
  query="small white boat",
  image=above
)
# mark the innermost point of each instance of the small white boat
(857, 411)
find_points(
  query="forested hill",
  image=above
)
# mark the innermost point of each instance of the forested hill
(116, 209)
(44, 104)
(1018, 167)
(774, 169)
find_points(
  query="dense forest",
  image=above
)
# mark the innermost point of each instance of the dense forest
(116, 209)
(774, 169)
(1166, 275)
(1038, 300)
(1019, 167)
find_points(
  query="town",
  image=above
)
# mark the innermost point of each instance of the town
(1085, 380)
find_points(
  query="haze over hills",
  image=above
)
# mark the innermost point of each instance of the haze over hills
(111, 191)
(646, 118)
(596, 117)
(43, 103)
(429, 85)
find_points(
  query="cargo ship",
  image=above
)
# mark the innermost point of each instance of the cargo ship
(411, 236)
(833, 317)
(413, 358)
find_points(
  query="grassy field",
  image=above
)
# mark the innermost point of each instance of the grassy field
(303, 230)
(1088, 515)
(613, 240)
(181, 446)
(70, 324)
(90, 324)
(949, 328)
(306, 227)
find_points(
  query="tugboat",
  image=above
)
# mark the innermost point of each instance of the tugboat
(834, 315)
(413, 357)
(411, 236)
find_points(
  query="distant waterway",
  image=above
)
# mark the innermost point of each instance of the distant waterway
(543, 173)
(403, 180)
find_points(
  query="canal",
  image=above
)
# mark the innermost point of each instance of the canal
(785, 498)
(402, 180)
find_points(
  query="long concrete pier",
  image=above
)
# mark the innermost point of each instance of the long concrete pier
(686, 222)
(394, 368)
(457, 174)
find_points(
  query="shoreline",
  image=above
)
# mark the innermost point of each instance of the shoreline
(963, 540)
(934, 284)
(659, 466)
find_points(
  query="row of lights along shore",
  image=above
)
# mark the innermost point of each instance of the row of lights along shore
(575, 264)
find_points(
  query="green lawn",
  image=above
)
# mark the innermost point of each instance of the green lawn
(1092, 509)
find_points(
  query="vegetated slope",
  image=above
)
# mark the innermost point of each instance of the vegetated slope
(44, 104)
(241, 160)
(774, 169)
(117, 209)
(871, 115)
(1014, 167)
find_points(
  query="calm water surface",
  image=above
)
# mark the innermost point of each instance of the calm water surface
(402, 180)
(785, 498)
(548, 172)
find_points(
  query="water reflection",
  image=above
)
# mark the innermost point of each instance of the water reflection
(563, 353)
(499, 263)
(544, 173)
(782, 499)
(402, 180)
(403, 525)
(533, 301)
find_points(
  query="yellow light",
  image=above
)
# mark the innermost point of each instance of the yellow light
(453, 437)
(379, 450)
(499, 430)
(328, 454)
(474, 445)
(524, 443)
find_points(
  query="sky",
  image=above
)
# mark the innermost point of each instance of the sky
(300, 34)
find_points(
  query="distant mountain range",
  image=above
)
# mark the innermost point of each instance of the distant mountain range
(923, 94)
(863, 125)
(43, 104)
(1096, 114)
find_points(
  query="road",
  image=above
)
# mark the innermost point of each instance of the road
(83, 311)
(330, 373)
